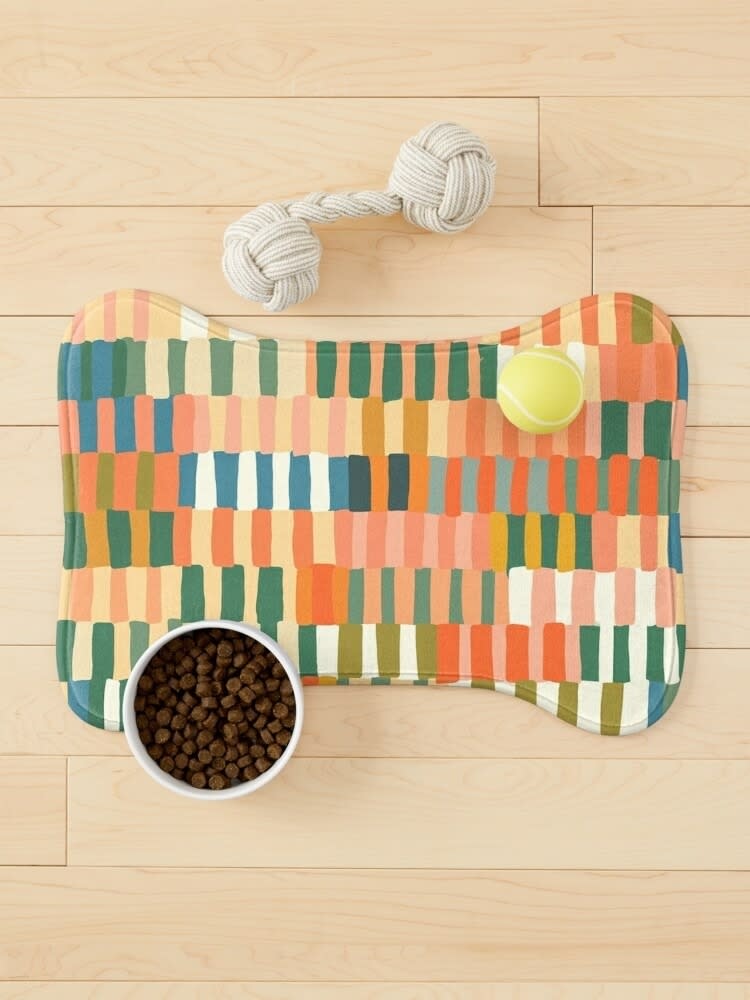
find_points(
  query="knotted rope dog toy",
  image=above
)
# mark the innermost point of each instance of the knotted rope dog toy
(442, 180)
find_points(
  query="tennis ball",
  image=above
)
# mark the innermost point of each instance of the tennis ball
(540, 390)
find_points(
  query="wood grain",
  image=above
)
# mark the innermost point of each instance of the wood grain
(32, 811)
(710, 721)
(718, 590)
(715, 476)
(198, 924)
(528, 259)
(382, 48)
(645, 151)
(422, 813)
(687, 260)
(372, 991)
(719, 371)
(226, 152)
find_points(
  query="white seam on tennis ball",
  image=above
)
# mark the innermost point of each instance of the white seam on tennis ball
(566, 361)
(538, 420)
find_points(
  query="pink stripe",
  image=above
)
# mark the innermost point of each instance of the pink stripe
(608, 371)
(359, 539)
(648, 373)
(624, 596)
(679, 416)
(78, 328)
(536, 665)
(407, 368)
(343, 529)
(118, 600)
(498, 652)
(501, 599)
(110, 323)
(372, 602)
(81, 594)
(440, 581)
(604, 541)
(414, 539)
(105, 424)
(153, 594)
(144, 423)
(464, 652)
(233, 425)
(456, 429)
(201, 424)
(471, 595)
(649, 542)
(403, 600)
(140, 315)
(635, 430)
(462, 541)
(582, 597)
(441, 372)
(543, 601)
(446, 542)
(394, 538)
(341, 382)
(377, 520)
(266, 423)
(480, 541)
(430, 545)
(593, 424)
(337, 425)
(572, 655)
(301, 425)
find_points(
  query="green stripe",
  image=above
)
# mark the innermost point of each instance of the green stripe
(621, 667)
(69, 472)
(359, 370)
(192, 600)
(144, 481)
(655, 653)
(583, 541)
(611, 711)
(135, 375)
(455, 603)
(325, 363)
(84, 354)
(66, 632)
(602, 485)
(488, 597)
(222, 362)
(233, 593)
(488, 371)
(571, 483)
(614, 428)
(567, 702)
(119, 538)
(421, 596)
(79, 548)
(270, 601)
(642, 327)
(526, 691)
(392, 373)
(103, 664)
(176, 366)
(516, 545)
(120, 366)
(160, 537)
(657, 429)
(350, 651)
(308, 651)
(139, 641)
(356, 595)
(458, 371)
(105, 481)
(664, 487)
(426, 642)
(681, 642)
(674, 486)
(633, 472)
(550, 531)
(387, 608)
(268, 372)
(588, 639)
(424, 371)
(389, 658)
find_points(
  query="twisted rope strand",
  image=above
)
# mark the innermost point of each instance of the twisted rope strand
(442, 181)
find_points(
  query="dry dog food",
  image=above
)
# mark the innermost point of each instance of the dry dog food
(215, 708)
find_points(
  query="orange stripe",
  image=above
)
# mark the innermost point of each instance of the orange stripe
(481, 652)
(414, 539)
(339, 594)
(304, 609)
(551, 327)
(648, 485)
(517, 652)
(322, 594)
(343, 526)
(553, 653)
(447, 653)
(126, 464)
(260, 537)
(419, 481)
(222, 537)
(666, 371)
(617, 486)
(302, 538)
(143, 415)
(415, 426)
(183, 415)
(586, 485)
(378, 482)
(556, 484)
(519, 486)
(590, 319)
(476, 415)
(81, 594)
(139, 538)
(118, 595)
(105, 425)
(486, 485)
(623, 317)
(403, 595)
(604, 542)
(181, 534)
(166, 480)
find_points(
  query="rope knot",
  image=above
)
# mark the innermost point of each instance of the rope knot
(442, 181)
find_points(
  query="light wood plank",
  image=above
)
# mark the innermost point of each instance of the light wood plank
(719, 371)
(32, 811)
(645, 151)
(423, 814)
(326, 48)
(688, 260)
(103, 923)
(227, 152)
(715, 481)
(718, 590)
(709, 720)
(528, 259)
(373, 991)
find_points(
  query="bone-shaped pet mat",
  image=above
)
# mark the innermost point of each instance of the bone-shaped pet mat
(369, 506)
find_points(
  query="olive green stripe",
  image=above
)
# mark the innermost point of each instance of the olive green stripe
(350, 651)
(426, 642)
(611, 710)
(389, 653)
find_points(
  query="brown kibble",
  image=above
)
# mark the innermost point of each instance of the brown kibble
(234, 684)
(256, 750)
(224, 650)
(278, 670)
(286, 686)
(167, 764)
(145, 684)
(199, 713)
(217, 748)
(247, 675)
(228, 701)
(161, 736)
(181, 761)
(188, 682)
(189, 748)
(280, 710)
(239, 659)
(155, 751)
(231, 771)
(235, 715)
(283, 738)
(266, 737)
(203, 689)
(262, 764)
(244, 761)
(198, 780)
(274, 751)
(203, 738)
(216, 782)
(230, 732)
(209, 702)
(263, 705)
(274, 726)
(245, 695)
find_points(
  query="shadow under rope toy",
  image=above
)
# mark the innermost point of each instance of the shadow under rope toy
(369, 505)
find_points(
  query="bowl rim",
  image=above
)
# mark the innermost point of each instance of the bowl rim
(182, 787)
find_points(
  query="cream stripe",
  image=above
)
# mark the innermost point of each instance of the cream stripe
(590, 704)
(280, 464)
(157, 368)
(247, 483)
(606, 653)
(369, 652)
(205, 482)
(327, 643)
(519, 595)
(407, 649)
(320, 497)
(111, 705)
(192, 324)
(645, 597)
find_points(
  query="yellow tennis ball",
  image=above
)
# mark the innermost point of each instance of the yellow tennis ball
(540, 390)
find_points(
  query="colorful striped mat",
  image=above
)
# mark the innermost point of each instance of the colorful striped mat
(368, 505)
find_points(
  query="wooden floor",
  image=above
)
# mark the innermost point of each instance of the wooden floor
(422, 845)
